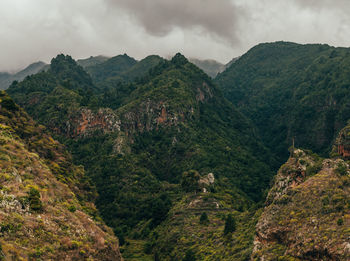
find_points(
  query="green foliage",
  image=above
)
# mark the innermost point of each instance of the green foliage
(342, 169)
(340, 222)
(7, 103)
(290, 90)
(34, 200)
(230, 224)
(204, 218)
(189, 181)
(314, 169)
(113, 67)
(138, 185)
(72, 208)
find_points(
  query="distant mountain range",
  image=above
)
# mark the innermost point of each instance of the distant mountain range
(6, 78)
(210, 67)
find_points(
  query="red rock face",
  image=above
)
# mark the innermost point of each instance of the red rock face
(86, 122)
(163, 116)
(344, 151)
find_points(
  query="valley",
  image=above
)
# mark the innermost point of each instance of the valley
(181, 165)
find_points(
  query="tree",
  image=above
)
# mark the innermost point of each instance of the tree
(230, 224)
(34, 200)
(204, 218)
(189, 181)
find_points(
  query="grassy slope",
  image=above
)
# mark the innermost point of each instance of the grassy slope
(56, 222)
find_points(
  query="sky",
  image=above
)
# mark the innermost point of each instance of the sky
(38, 30)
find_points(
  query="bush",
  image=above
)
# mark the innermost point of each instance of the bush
(204, 218)
(341, 169)
(314, 169)
(190, 180)
(34, 200)
(230, 224)
(72, 208)
(340, 222)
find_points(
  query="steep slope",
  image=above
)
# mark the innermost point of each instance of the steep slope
(41, 217)
(172, 121)
(6, 79)
(281, 85)
(307, 213)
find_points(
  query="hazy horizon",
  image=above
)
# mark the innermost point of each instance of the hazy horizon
(220, 30)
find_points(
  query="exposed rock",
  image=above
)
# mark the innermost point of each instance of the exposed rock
(85, 122)
(306, 215)
(343, 143)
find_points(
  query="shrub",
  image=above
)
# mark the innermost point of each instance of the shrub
(72, 208)
(189, 181)
(230, 224)
(204, 218)
(34, 200)
(314, 169)
(340, 222)
(341, 169)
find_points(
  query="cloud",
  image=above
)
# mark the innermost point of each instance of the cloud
(160, 17)
(32, 30)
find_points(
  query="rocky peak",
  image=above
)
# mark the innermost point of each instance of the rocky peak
(306, 215)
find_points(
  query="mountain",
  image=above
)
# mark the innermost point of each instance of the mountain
(92, 60)
(47, 209)
(148, 151)
(291, 91)
(210, 67)
(121, 69)
(307, 213)
(6, 79)
(112, 67)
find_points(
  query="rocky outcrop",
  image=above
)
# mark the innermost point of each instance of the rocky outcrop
(343, 143)
(307, 214)
(147, 116)
(85, 122)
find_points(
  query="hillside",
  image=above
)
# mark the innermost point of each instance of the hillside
(92, 60)
(307, 213)
(281, 86)
(47, 209)
(170, 122)
(6, 78)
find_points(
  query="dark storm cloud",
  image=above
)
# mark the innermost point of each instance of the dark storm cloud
(159, 17)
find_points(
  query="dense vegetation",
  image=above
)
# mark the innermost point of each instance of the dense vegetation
(292, 91)
(172, 121)
(180, 173)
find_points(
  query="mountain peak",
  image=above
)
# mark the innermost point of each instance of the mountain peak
(61, 62)
(179, 59)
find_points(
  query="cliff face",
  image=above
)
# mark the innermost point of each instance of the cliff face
(307, 213)
(43, 209)
(85, 122)
(343, 143)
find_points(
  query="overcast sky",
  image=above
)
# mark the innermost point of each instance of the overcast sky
(33, 30)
